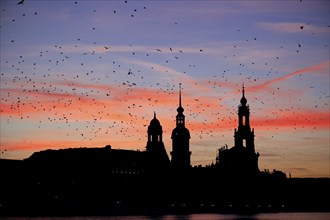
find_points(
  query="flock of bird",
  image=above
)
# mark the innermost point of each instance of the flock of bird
(88, 105)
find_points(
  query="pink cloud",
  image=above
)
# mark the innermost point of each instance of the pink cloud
(311, 69)
(292, 27)
(297, 119)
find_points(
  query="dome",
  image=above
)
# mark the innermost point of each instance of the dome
(154, 124)
(243, 101)
(180, 109)
(180, 131)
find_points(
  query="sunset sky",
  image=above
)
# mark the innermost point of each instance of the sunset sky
(91, 73)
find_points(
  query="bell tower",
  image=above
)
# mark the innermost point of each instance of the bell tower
(240, 161)
(244, 136)
(180, 140)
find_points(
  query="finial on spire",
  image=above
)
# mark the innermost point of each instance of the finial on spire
(243, 99)
(154, 114)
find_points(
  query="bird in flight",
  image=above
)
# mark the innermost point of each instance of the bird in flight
(21, 2)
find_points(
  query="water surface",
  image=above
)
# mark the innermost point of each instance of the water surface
(262, 216)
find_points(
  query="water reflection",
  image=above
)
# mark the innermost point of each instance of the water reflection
(263, 216)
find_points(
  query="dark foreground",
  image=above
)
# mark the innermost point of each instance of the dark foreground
(36, 190)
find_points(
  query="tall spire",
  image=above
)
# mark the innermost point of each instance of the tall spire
(179, 94)
(180, 109)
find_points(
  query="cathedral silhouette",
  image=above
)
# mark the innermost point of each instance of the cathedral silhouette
(241, 158)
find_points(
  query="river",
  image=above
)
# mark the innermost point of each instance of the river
(261, 216)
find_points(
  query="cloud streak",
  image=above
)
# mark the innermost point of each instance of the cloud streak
(291, 27)
(312, 69)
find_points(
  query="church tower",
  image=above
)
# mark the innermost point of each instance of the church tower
(240, 161)
(156, 154)
(180, 141)
(244, 136)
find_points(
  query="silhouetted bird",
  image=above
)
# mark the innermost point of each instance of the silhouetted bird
(21, 2)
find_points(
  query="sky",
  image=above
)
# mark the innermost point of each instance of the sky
(92, 73)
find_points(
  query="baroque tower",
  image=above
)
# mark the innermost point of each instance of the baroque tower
(156, 153)
(244, 140)
(244, 136)
(180, 141)
(240, 161)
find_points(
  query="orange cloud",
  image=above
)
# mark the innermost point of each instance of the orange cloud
(39, 101)
(298, 120)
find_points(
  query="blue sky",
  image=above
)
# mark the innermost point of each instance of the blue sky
(91, 73)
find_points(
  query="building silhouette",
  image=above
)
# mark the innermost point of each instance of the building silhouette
(118, 162)
(241, 159)
(106, 181)
(180, 141)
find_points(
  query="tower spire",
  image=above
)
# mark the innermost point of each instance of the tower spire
(180, 109)
(179, 94)
(180, 140)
